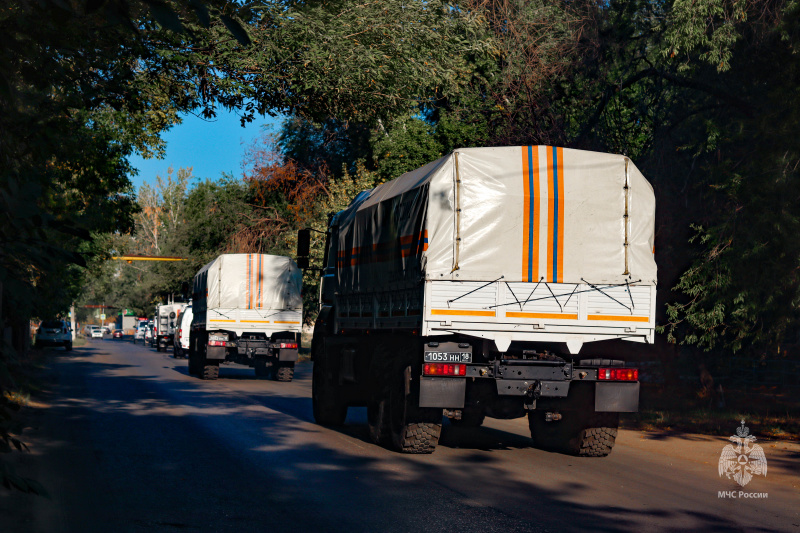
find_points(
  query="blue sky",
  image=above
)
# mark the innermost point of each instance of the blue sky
(211, 147)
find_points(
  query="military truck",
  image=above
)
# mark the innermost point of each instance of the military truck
(476, 286)
(164, 321)
(247, 309)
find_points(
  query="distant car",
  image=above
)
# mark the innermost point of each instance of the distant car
(117, 334)
(139, 335)
(54, 333)
(97, 333)
(148, 334)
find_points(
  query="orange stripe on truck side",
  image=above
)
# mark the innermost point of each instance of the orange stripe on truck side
(620, 318)
(562, 316)
(459, 312)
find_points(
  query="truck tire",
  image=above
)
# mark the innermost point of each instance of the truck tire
(260, 365)
(377, 422)
(210, 370)
(582, 434)
(68, 346)
(412, 429)
(194, 365)
(158, 347)
(284, 372)
(470, 418)
(328, 409)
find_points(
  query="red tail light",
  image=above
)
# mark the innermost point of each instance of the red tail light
(444, 369)
(217, 343)
(292, 345)
(618, 374)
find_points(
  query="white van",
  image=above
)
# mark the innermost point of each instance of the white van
(180, 345)
(54, 333)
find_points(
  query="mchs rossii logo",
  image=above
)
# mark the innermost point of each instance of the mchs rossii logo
(741, 461)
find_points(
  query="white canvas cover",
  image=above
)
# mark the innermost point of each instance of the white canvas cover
(520, 214)
(250, 281)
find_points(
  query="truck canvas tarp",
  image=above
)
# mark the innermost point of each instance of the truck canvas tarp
(469, 286)
(247, 309)
(578, 225)
(249, 290)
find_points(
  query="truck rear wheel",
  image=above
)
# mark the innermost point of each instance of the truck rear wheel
(328, 409)
(579, 433)
(377, 422)
(469, 419)
(412, 429)
(283, 372)
(210, 369)
(261, 368)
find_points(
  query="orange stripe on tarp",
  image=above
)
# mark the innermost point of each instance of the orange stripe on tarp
(247, 294)
(526, 206)
(564, 316)
(536, 210)
(260, 282)
(620, 318)
(458, 312)
(551, 208)
(286, 322)
(560, 247)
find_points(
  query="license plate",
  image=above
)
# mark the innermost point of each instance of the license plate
(448, 357)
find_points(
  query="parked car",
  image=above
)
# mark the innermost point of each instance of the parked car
(54, 333)
(117, 334)
(97, 332)
(180, 345)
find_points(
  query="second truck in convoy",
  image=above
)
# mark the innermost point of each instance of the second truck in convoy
(247, 309)
(475, 285)
(164, 322)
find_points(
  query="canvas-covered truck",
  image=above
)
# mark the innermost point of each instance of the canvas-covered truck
(164, 321)
(247, 309)
(475, 286)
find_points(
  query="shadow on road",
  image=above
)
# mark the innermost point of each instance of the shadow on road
(137, 453)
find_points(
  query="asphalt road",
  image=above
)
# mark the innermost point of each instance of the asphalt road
(128, 441)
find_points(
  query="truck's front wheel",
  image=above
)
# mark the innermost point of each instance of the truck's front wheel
(586, 434)
(328, 409)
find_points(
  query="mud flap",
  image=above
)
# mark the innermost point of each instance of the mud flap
(442, 392)
(616, 397)
(215, 352)
(288, 354)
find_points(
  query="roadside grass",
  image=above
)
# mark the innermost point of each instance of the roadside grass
(768, 412)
